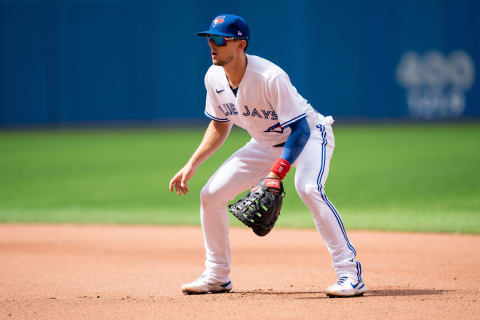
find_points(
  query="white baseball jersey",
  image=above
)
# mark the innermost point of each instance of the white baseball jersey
(265, 104)
(266, 101)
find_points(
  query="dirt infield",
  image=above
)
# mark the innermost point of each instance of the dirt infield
(135, 272)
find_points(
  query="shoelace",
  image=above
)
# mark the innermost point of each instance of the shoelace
(341, 280)
(201, 277)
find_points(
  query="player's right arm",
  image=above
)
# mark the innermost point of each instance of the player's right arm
(214, 137)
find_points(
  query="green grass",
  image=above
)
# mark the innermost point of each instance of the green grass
(387, 177)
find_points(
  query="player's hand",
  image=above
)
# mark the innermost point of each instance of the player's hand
(272, 175)
(179, 181)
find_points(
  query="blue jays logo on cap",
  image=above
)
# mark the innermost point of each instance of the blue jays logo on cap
(217, 20)
(228, 25)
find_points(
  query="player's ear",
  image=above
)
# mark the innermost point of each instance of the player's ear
(243, 44)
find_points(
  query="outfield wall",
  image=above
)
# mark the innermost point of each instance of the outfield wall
(78, 61)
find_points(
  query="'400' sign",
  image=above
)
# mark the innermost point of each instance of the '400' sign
(436, 83)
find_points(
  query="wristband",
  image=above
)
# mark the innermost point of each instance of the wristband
(280, 168)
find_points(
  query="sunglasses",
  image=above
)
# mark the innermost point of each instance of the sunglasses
(221, 40)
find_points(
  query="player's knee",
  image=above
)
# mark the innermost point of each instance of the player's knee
(306, 190)
(207, 194)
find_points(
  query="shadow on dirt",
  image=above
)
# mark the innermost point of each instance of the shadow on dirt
(404, 292)
(369, 293)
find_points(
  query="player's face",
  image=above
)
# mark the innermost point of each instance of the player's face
(223, 55)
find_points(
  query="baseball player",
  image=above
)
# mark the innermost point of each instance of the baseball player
(256, 95)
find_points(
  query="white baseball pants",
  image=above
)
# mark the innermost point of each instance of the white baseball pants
(244, 169)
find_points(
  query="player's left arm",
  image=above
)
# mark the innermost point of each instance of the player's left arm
(294, 145)
(290, 107)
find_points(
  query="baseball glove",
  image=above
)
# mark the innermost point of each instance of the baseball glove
(260, 208)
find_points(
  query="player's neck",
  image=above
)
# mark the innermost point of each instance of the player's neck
(235, 71)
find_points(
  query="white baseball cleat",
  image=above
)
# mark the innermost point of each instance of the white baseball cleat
(204, 285)
(346, 287)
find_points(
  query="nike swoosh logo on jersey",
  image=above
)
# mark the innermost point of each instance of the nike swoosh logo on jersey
(221, 90)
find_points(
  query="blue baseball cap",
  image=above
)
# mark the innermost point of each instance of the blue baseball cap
(228, 25)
